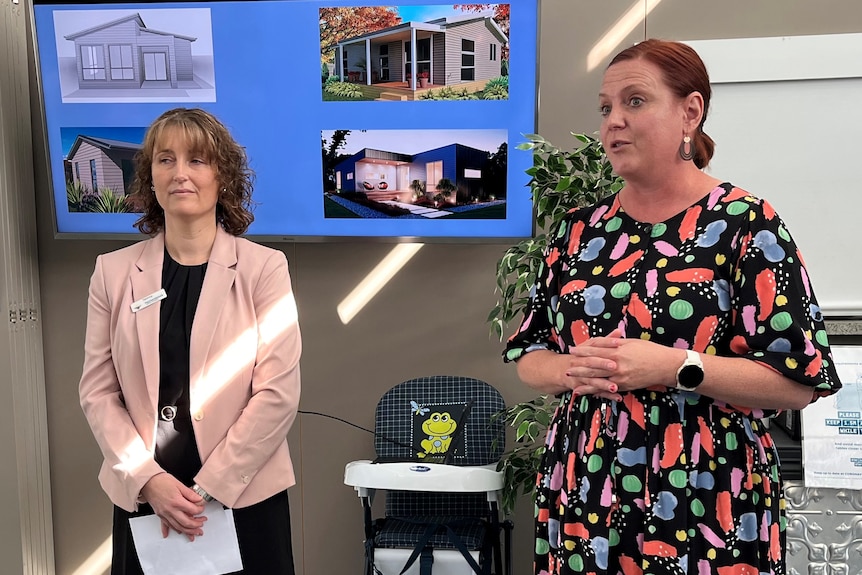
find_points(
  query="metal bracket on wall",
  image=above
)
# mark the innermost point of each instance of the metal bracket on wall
(23, 315)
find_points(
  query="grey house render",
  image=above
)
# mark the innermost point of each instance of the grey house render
(124, 53)
(450, 50)
(99, 163)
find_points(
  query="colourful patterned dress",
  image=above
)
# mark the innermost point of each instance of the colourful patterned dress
(665, 481)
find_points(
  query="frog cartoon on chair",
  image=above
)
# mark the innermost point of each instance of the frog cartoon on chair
(438, 429)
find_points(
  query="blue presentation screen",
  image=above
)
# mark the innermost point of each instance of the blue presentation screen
(358, 120)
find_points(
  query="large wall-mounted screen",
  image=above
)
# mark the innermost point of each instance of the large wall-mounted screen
(360, 121)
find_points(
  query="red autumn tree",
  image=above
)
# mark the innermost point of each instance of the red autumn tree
(337, 24)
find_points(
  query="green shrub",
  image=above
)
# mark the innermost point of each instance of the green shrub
(107, 202)
(448, 93)
(342, 89)
(418, 188)
(445, 185)
(498, 81)
(75, 196)
(496, 93)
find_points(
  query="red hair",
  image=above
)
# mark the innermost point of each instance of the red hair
(683, 72)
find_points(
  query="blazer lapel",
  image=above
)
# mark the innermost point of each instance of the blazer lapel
(146, 281)
(221, 272)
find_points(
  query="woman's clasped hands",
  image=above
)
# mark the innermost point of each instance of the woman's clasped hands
(605, 366)
(178, 506)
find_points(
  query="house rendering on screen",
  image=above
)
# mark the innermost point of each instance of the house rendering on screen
(124, 53)
(385, 175)
(451, 51)
(99, 163)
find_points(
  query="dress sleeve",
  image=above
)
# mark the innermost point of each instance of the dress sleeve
(777, 321)
(541, 326)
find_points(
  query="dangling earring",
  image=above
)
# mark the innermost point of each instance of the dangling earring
(152, 188)
(683, 153)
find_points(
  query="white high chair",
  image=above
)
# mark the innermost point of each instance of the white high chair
(437, 447)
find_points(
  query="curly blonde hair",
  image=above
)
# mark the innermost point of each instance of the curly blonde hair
(207, 136)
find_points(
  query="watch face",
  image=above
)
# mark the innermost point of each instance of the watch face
(690, 376)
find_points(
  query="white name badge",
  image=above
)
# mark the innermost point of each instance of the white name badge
(149, 300)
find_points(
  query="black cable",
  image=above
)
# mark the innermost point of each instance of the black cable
(374, 433)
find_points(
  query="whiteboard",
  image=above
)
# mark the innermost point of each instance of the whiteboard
(786, 116)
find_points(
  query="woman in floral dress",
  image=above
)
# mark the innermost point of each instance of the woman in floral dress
(670, 318)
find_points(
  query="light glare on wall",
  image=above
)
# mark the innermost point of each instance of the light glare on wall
(365, 291)
(99, 560)
(624, 26)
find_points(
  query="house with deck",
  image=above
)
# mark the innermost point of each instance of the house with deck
(453, 51)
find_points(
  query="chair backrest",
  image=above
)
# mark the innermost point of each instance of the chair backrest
(425, 413)
(405, 416)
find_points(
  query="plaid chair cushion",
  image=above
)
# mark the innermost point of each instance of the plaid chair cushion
(396, 417)
(399, 533)
(412, 503)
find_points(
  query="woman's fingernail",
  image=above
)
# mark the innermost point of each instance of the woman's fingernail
(613, 388)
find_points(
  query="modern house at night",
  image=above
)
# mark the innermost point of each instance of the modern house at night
(385, 175)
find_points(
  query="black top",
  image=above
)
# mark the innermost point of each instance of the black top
(176, 448)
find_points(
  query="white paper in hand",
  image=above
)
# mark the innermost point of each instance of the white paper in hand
(214, 553)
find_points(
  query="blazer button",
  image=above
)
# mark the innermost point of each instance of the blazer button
(245, 478)
(199, 415)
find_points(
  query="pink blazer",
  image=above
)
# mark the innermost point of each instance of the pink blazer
(244, 366)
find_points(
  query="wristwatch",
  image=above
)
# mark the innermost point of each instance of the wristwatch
(202, 492)
(690, 374)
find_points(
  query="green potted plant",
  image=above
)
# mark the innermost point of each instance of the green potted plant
(560, 180)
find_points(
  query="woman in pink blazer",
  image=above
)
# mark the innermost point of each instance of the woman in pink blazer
(191, 371)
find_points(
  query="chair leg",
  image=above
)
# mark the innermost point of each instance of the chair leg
(369, 560)
(507, 535)
(369, 536)
(495, 529)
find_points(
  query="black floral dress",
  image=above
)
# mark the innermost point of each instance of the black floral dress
(666, 481)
